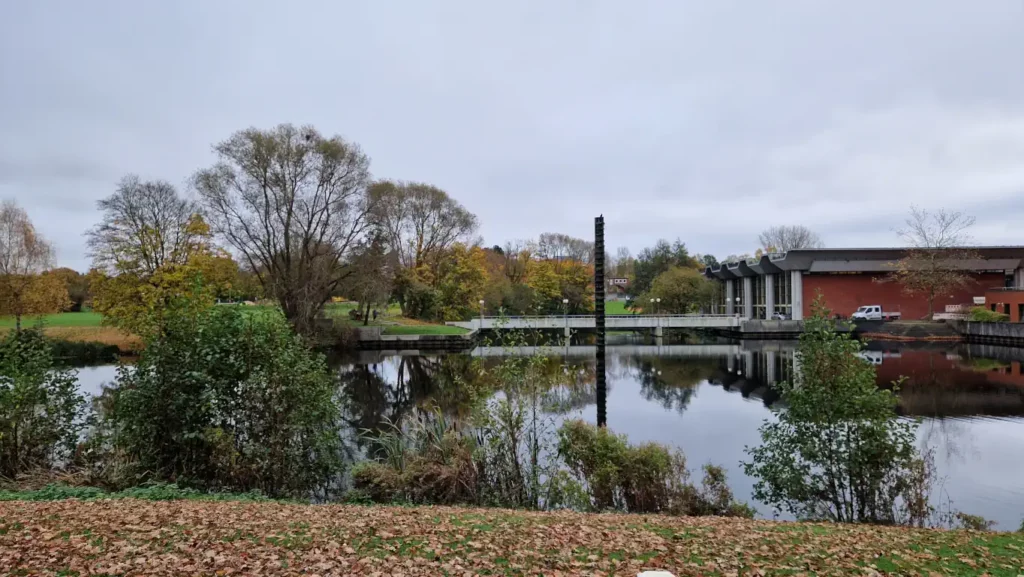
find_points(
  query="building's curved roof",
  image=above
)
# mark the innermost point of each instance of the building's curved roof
(985, 258)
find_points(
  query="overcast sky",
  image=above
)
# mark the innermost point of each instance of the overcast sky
(700, 120)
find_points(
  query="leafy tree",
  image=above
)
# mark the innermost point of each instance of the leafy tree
(933, 264)
(838, 452)
(681, 290)
(292, 203)
(788, 237)
(232, 400)
(655, 260)
(576, 284)
(418, 299)
(709, 260)
(461, 276)
(24, 256)
(542, 278)
(150, 248)
(77, 286)
(39, 405)
(372, 277)
(138, 300)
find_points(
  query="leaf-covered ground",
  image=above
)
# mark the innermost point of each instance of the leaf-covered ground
(133, 537)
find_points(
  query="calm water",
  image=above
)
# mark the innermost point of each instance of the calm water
(710, 400)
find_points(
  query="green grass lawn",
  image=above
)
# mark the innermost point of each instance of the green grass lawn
(616, 308)
(83, 319)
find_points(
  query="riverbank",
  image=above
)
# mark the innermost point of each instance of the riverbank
(130, 536)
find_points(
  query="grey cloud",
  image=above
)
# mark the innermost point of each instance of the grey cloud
(702, 120)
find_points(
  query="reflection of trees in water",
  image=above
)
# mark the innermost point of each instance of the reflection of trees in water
(950, 437)
(670, 382)
(374, 394)
(575, 389)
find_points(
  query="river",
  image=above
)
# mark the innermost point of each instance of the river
(710, 400)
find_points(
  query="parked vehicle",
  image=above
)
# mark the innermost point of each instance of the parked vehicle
(873, 313)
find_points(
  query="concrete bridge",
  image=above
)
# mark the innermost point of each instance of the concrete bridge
(657, 323)
(585, 351)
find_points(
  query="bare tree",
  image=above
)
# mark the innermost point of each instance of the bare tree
(515, 260)
(623, 263)
(789, 237)
(564, 251)
(24, 256)
(145, 225)
(934, 263)
(291, 202)
(419, 221)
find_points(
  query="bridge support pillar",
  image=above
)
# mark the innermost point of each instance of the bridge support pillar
(659, 331)
(567, 332)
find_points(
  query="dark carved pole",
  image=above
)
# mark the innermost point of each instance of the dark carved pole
(602, 401)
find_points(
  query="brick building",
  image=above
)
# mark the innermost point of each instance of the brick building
(787, 283)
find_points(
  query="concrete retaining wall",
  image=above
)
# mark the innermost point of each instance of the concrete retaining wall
(994, 333)
(372, 338)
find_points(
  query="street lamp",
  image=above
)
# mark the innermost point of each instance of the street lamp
(738, 306)
(652, 304)
(481, 301)
(565, 312)
(657, 306)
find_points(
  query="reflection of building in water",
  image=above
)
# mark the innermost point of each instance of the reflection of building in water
(935, 383)
(752, 372)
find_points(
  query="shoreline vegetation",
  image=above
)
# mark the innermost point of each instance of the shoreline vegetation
(223, 536)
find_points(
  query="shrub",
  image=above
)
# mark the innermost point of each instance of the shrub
(429, 462)
(838, 451)
(229, 401)
(972, 522)
(40, 407)
(647, 478)
(984, 315)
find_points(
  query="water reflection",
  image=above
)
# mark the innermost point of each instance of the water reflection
(709, 400)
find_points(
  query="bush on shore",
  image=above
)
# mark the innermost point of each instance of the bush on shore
(647, 478)
(39, 405)
(596, 470)
(224, 401)
(984, 315)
